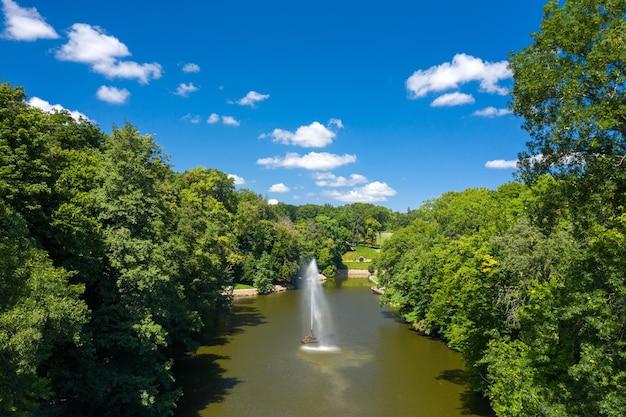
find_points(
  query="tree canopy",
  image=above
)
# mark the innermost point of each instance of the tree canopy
(112, 263)
(528, 281)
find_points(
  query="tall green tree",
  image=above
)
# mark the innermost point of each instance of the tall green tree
(569, 89)
(40, 311)
(205, 244)
(135, 316)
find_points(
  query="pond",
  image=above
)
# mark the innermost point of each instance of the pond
(256, 366)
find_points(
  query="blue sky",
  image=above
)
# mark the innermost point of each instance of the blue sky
(390, 103)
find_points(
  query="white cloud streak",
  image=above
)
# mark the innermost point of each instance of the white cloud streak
(315, 135)
(252, 98)
(463, 69)
(183, 89)
(491, 112)
(92, 46)
(227, 120)
(195, 119)
(370, 193)
(335, 122)
(279, 188)
(50, 108)
(322, 161)
(452, 99)
(191, 67)
(25, 24)
(328, 179)
(112, 95)
(230, 121)
(502, 164)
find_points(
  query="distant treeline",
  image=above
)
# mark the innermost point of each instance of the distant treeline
(111, 263)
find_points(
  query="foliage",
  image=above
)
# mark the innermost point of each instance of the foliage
(112, 263)
(39, 310)
(528, 282)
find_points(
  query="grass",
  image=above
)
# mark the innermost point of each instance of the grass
(360, 251)
(243, 286)
(351, 258)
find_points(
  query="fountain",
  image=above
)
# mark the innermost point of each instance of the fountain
(316, 310)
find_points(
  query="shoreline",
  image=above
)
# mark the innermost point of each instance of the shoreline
(341, 273)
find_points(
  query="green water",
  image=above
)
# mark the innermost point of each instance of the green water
(256, 366)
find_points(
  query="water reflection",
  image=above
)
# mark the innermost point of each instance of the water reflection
(328, 365)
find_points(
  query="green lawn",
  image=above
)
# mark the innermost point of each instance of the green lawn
(243, 287)
(361, 251)
(350, 258)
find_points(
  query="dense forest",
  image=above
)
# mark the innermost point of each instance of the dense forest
(112, 263)
(528, 281)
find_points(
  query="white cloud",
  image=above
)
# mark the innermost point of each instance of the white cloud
(463, 69)
(501, 164)
(227, 120)
(335, 122)
(569, 159)
(230, 121)
(192, 118)
(129, 70)
(25, 24)
(50, 108)
(272, 202)
(328, 179)
(452, 99)
(370, 193)
(491, 112)
(112, 95)
(90, 45)
(237, 179)
(314, 161)
(252, 98)
(191, 67)
(183, 89)
(315, 135)
(279, 188)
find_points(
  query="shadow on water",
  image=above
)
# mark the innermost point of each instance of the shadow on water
(226, 325)
(203, 383)
(472, 402)
(200, 375)
(391, 315)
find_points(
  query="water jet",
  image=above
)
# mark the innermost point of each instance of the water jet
(315, 306)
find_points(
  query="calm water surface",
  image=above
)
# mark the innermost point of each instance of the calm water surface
(256, 366)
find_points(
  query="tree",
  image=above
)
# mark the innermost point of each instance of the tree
(569, 87)
(138, 310)
(39, 311)
(372, 230)
(205, 245)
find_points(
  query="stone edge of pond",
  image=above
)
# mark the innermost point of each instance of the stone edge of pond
(251, 292)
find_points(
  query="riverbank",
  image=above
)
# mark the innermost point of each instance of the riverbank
(251, 292)
(341, 273)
